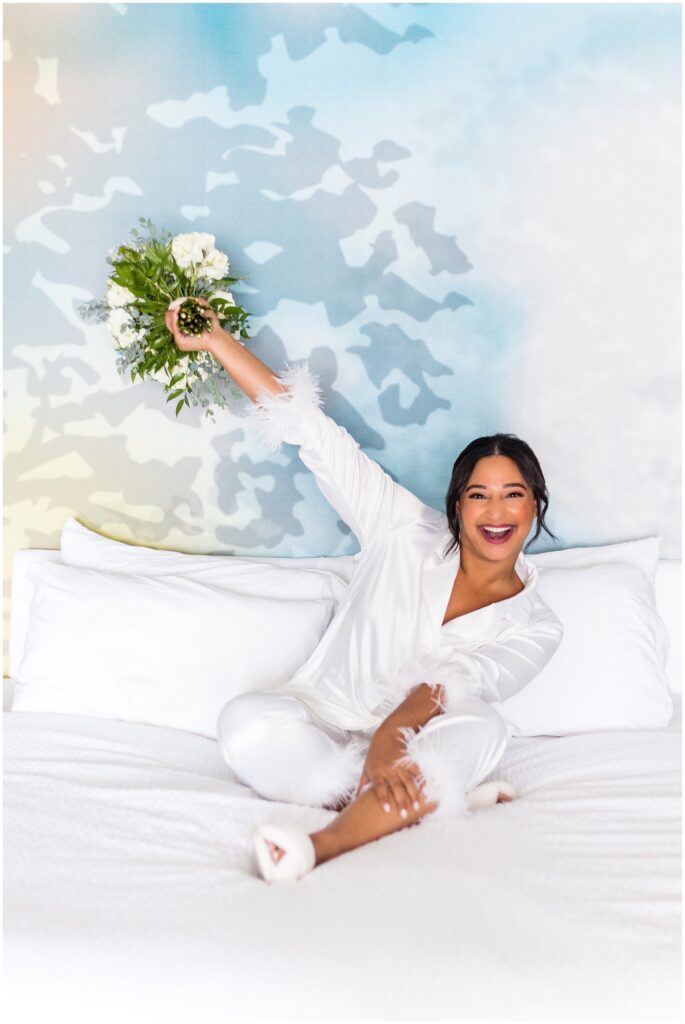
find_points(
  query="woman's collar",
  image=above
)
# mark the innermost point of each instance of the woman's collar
(516, 608)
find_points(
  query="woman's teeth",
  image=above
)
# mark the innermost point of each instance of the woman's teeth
(496, 535)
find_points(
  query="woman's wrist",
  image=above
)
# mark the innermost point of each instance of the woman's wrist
(418, 707)
(221, 342)
(246, 369)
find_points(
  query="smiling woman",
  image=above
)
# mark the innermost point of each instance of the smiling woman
(384, 723)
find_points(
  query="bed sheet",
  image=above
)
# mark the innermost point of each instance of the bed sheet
(129, 888)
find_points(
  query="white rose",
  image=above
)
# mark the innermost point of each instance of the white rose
(204, 240)
(185, 252)
(117, 295)
(116, 319)
(223, 295)
(214, 266)
(121, 328)
(129, 336)
(191, 248)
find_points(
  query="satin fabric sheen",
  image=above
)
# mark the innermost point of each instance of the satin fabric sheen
(275, 744)
(387, 635)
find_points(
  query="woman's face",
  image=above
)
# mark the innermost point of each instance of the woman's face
(496, 495)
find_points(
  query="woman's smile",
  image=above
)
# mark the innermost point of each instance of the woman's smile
(497, 535)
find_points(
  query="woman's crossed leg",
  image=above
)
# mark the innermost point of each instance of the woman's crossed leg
(276, 745)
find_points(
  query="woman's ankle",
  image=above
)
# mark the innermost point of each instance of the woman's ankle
(325, 845)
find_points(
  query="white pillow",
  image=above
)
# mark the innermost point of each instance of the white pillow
(609, 670)
(325, 576)
(163, 651)
(643, 553)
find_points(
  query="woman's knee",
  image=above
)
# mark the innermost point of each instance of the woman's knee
(248, 714)
(491, 739)
(476, 731)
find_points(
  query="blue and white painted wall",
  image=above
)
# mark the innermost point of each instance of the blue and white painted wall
(466, 216)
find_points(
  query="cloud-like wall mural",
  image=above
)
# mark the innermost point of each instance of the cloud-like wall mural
(465, 216)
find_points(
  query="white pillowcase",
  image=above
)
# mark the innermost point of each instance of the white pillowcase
(164, 651)
(609, 670)
(326, 576)
(643, 553)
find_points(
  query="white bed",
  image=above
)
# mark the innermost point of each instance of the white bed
(129, 887)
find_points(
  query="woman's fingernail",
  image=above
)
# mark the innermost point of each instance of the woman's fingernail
(403, 812)
(416, 805)
(386, 807)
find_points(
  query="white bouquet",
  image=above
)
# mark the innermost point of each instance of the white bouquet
(149, 275)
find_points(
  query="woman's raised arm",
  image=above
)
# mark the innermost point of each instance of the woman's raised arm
(286, 407)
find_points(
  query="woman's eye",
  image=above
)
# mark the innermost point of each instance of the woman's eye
(512, 494)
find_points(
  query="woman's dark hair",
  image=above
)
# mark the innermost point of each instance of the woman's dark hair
(496, 444)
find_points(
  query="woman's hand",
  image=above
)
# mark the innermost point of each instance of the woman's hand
(390, 780)
(187, 343)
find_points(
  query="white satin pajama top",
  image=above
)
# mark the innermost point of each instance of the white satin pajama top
(386, 635)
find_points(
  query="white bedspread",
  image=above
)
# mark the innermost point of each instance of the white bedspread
(130, 888)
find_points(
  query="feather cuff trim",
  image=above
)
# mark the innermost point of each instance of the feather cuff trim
(455, 688)
(338, 777)
(275, 417)
(438, 779)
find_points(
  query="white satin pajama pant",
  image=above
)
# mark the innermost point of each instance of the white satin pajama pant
(278, 746)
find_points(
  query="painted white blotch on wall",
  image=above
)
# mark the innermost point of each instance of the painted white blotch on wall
(262, 252)
(193, 212)
(335, 180)
(46, 86)
(214, 105)
(93, 143)
(216, 179)
(33, 228)
(66, 298)
(71, 465)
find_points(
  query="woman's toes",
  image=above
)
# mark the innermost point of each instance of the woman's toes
(506, 792)
(275, 851)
